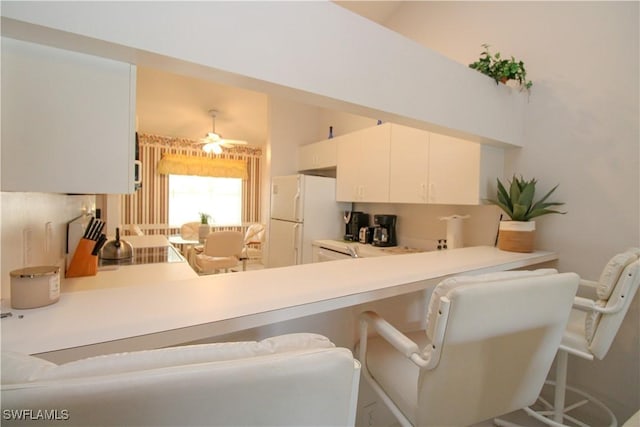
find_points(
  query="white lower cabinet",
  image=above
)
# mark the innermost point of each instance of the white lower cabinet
(363, 165)
(68, 121)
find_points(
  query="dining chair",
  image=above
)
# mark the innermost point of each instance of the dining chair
(287, 380)
(136, 230)
(593, 326)
(189, 230)
(221, 251)
(486, 349)
(253, 241)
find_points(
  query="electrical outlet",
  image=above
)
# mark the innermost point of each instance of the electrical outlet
(27, 245)
(48, 236)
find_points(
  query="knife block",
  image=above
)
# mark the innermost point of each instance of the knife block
(83, 263)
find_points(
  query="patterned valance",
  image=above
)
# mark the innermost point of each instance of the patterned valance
(178, 164)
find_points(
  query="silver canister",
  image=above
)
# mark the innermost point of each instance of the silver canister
(33, 287)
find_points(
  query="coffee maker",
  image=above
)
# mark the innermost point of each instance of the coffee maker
(384, 233)
(354, 220)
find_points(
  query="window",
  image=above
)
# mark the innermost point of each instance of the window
(219, 197)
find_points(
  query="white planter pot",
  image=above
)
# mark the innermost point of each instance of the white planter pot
(517, 236)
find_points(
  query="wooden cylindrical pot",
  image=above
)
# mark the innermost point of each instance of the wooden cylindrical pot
(517, 236)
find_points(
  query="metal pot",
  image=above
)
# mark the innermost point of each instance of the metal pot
(117, 249)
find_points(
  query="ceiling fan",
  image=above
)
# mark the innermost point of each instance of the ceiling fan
(213, 142)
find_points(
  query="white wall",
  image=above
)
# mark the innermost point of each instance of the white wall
(581, 130)
(379, 71)
(32, 211)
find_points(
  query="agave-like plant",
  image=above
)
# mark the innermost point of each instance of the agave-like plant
(518, 202)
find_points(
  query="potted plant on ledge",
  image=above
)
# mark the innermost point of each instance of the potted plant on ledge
(501, 70)
(518, 234)
(204, 229)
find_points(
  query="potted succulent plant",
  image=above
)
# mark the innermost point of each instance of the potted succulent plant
(500, 69)
(518, 234)
(204, 229)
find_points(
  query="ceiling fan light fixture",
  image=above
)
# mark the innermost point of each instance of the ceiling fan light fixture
(212, 147)
(213, 137)
(213, 141)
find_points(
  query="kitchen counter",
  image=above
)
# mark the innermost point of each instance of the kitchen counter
(170, 312)
(365, 250)
(113, 276)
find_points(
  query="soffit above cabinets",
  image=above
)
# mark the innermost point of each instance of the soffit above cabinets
(377, 73)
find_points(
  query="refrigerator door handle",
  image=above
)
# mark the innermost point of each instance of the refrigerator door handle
(296, 229)
(296, 205)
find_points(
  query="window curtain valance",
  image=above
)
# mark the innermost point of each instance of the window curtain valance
(179, 164)
(150, 204)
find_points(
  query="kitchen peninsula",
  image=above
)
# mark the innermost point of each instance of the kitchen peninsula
(174, 267)
(171, 312)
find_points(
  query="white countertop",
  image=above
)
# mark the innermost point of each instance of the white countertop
(364, 250)
(166, 312)
(113, 276)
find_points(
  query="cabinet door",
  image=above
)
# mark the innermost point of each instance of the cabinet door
(454, 170)
(319, 155)
(374, 164)
(348, 169)
(408, 168)
(68, 121)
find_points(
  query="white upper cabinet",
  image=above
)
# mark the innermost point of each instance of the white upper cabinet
(319, 155)
(363, 165)
(399, 164)
(68, 121)
(408, 169)
(462, 172)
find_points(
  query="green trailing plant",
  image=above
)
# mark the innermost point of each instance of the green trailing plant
(518, 201)
(204, 218)
(500, 69)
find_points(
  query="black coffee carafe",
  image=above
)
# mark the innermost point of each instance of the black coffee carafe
(384, 233)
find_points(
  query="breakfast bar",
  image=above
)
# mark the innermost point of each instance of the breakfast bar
(170, 312)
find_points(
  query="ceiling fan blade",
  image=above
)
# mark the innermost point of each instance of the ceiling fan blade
(212, 137)
(230, 142)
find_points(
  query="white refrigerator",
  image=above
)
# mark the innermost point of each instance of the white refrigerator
(303, 209)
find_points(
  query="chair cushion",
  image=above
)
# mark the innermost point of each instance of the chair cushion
(612, 272)
(224, 243)
(254, 234)
(591, 321)
(209, 263)
(19, 368)
(32, 368)
(575, 335)
(451, 283)
(190, 230)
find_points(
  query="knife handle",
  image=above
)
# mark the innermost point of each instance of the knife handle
(87, 231)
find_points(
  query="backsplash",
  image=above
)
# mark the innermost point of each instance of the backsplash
(25, 219)
(419, 226)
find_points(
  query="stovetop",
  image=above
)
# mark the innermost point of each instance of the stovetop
(153, 255)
